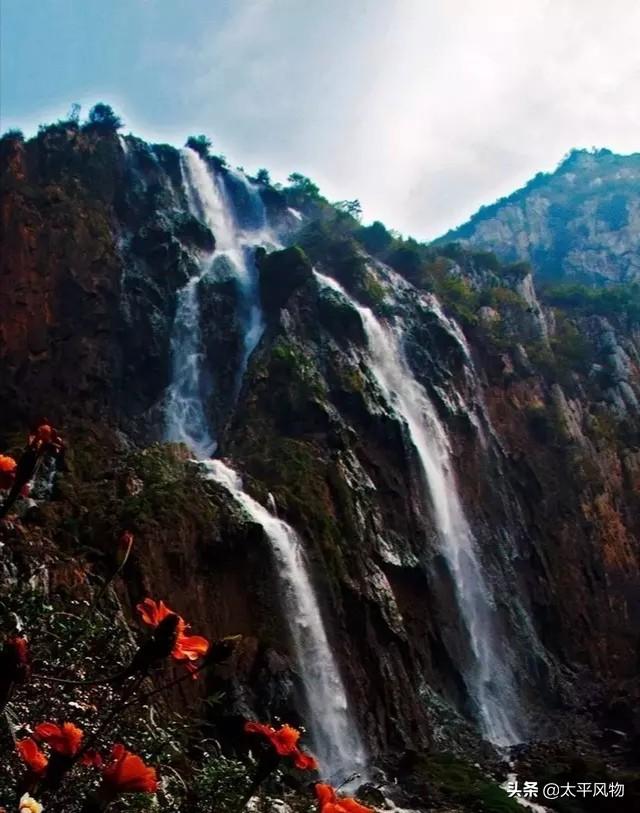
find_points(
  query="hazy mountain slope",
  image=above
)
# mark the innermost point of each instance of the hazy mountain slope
(580, 222)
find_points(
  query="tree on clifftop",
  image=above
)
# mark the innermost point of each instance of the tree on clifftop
(350, 207)
(102, 117)
(302, 184)
(200, 144)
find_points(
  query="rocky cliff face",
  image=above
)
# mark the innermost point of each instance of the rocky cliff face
(580, 222)
(539, 400)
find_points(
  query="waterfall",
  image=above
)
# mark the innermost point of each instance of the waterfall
(334, 734)
(186, 417)
(123, 145)
(489, 679)
(209, 200)
(251, 229)
(234, 211)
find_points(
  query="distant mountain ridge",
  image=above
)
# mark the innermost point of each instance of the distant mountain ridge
(579, 223)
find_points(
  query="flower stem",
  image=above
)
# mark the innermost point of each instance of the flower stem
(124, 703)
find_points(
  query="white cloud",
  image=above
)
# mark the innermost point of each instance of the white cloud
(424, 109)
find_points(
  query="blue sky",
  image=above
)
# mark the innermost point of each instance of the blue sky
(423, 109)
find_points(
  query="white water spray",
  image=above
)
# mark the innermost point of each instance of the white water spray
(208, 200)
(187, 421)
(489, 678)
(335, 736)
(251, 229)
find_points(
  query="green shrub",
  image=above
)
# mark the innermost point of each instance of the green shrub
(406, 260)
(610, 300)
(13, 134)
(375, 238)
(200, 144)
(464, 784)
(374, 291)
(102, 117)
(220, 784)
(458, 296)
(500, 297)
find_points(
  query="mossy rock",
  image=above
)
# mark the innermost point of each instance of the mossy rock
(371, 290)
(451, 779)
(339, 318)
(295, 375)
(299, 476)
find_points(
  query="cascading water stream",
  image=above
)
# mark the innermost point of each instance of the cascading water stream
(251, 229)
(186, 418)
(237, 228)
(335, 737)
(490, 682)
(209, 200)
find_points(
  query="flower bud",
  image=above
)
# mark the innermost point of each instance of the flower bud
(15, 667)
(125, 544)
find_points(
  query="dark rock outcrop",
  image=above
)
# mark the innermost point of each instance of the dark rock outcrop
(281, 273)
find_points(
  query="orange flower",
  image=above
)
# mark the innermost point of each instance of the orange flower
(188, 648)
(7, 471)
(153, 612)
(45, 439)
(126, 773)
(7, 463)
(64, 739)
(304, 762)
(32, 756)
(284, 739)
(331, 803)
(285, 743)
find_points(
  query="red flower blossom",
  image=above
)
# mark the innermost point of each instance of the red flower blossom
(188, 648)
(126, 773)
(330, 802)
(15, 661)
(284, 740)
(45, 439)
(153, 612)
(7, 471)
(64, 739)
(32, 756)
(305, 762)
(44, 433)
